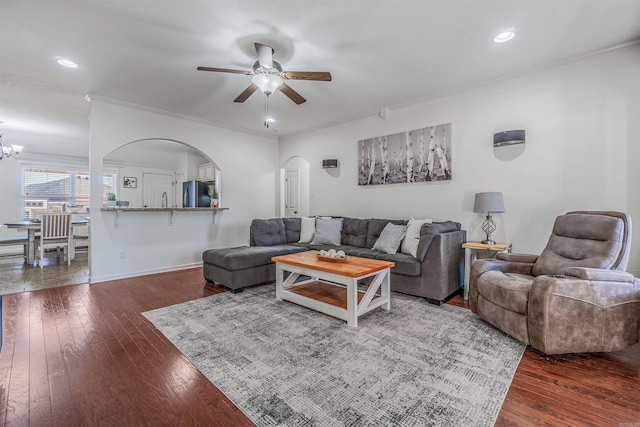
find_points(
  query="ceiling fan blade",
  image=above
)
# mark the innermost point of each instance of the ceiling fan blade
(322, 76)
(265, 55)
(292, 94)
(246, 93)
(225, 70)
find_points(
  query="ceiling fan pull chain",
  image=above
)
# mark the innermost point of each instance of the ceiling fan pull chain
(266, 111)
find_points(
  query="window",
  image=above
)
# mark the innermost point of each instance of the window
(54, 189)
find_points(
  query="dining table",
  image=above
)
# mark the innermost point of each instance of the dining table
(32, 227)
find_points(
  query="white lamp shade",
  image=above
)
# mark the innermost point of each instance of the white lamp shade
(489, 202)
(17, 148)
(267, 83)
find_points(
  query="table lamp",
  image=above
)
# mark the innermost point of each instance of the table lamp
(488, 202)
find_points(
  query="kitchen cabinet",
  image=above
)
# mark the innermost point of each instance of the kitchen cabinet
(206, 172)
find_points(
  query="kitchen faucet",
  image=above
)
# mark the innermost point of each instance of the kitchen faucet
(164, 199)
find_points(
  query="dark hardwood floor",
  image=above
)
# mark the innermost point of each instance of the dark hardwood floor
(83, 355)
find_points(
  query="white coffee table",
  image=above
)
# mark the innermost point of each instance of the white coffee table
(333, 287)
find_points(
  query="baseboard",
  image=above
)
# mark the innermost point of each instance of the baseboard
(111, 277)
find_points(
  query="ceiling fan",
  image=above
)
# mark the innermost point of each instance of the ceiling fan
(269, 77)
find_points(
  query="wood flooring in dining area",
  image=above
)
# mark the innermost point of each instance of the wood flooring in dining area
(18, 276)
(83, 356)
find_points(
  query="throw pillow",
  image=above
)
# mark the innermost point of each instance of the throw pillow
(327, 232)
(410, 243)
(307, 228)
(390, 238)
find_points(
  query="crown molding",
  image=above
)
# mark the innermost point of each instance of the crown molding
(48, 159)
(460, 89)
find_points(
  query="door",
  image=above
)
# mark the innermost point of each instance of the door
(157, 190)
(292, 193)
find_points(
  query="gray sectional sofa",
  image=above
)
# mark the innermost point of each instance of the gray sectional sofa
(435, 273)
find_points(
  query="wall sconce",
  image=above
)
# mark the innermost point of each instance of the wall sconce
(329, 163)
(508, 137)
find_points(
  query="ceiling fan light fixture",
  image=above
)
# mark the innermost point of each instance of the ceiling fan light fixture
(504, 36)
(270, 120)
(267, 83)
(67, 63)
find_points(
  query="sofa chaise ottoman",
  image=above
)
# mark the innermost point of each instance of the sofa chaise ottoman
(435, 273)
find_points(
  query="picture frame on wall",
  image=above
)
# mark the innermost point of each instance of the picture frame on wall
(130, 182)
(419, 155)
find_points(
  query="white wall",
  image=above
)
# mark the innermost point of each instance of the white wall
(582, 128)
(633, 160)
(248, 164)
(9, 196)
(10, 187)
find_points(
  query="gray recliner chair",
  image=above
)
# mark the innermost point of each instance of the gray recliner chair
(575, 297)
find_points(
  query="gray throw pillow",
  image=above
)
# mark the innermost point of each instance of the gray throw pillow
(390, 238)
(327, 232)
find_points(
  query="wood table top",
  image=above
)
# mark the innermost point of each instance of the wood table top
(353, 267)
(477, 245)
(26, 224)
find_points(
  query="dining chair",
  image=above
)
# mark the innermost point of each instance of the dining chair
(55, 232)
(15, 241)
(79, 239)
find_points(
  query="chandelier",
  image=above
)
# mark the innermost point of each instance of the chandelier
(9, 150)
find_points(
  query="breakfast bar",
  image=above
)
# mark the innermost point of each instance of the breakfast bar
(118, 210)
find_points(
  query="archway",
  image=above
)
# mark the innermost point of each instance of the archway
(151, 172)
(295, 187)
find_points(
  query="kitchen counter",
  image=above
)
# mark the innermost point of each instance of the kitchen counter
(117, 210)
(126, 208)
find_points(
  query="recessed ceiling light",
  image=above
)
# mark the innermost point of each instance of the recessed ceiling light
(67, 63)
(504, 37)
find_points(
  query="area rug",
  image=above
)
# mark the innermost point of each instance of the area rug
(286, 365)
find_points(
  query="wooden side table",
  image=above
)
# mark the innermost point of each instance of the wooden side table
(471, 254)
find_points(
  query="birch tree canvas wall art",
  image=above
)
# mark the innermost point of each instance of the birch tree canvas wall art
(418, 155)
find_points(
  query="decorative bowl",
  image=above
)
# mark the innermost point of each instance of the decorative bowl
(325, 258)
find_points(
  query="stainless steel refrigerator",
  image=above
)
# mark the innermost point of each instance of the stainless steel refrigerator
(195, 194)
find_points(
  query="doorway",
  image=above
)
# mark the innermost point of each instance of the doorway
(294, 188)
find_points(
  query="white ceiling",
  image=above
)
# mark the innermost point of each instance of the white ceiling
(381, 53)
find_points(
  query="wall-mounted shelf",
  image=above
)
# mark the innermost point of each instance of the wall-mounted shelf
(117, 210)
